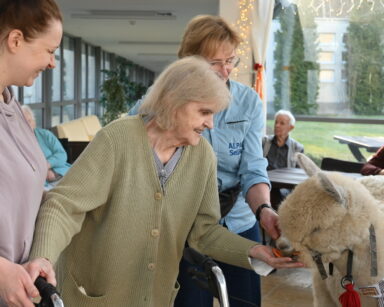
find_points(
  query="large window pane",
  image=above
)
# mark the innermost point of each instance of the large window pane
(327, 59)
(68, 68)
(68, 113)
(34, 93)
(39, 115)
(83, 71)
(83, 109)
(91, 108)
(91, 73)
(56, 77)
(55, 117)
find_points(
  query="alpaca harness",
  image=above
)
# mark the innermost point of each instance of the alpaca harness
(375, 290)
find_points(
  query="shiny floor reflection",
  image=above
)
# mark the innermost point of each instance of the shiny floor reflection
(286, 288)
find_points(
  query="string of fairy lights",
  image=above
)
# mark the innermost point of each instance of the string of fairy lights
(334, 8)
(337, 8)
(243, 26)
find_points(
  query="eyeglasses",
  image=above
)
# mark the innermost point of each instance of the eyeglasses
(229, 63)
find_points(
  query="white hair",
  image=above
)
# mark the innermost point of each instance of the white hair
(292, 119)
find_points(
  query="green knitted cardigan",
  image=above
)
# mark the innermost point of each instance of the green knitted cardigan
(116, 238)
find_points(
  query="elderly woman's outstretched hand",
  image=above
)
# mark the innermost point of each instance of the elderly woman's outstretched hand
(265, 254)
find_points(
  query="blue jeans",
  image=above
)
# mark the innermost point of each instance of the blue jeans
(243, 285)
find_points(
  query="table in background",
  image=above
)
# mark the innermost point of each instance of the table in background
(371, 144)
(288, 178)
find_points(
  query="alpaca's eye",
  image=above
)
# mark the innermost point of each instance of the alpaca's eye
(315, 230)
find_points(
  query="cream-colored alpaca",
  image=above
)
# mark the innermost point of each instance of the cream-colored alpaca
(330, 213)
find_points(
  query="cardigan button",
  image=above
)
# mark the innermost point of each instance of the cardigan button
(157, 195)
(155, 233)
(151, 266)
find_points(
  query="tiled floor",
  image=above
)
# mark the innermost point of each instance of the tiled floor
(286, 288)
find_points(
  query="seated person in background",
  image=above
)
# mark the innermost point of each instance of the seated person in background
(375, 165)
(280, 149)
(51, 147)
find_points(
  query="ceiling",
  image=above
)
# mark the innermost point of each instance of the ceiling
(146, 32)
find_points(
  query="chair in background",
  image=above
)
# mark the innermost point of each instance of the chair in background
(73, 149)
(331, 164)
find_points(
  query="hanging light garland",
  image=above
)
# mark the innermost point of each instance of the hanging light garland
(336, 8)
(243, 26)
(331, 8)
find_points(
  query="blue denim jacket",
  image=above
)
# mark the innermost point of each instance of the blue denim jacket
(236, 140)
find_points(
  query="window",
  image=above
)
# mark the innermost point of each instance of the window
(327, 75)
(326, 57)
(91, 93)
(90, 83)
(72, 88)
(69, 69)
(326, 38)
(56, 77)
(334, 53)
(329, 47)
(34, 93)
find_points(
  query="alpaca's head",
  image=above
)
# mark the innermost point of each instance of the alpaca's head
(326, 214)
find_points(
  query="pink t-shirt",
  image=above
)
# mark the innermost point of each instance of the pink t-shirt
(23, 171)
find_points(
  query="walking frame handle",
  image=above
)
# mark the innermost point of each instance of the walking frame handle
(50, 297)
(214, 279)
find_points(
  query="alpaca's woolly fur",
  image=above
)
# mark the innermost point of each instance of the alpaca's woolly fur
(331, 213)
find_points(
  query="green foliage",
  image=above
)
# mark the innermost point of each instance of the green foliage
(118, 93)
(291, 82)
(365, 63)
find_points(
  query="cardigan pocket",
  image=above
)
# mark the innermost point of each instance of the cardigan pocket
(77, 295)
(174, 294)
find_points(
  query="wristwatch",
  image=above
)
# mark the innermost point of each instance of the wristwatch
(259, 209)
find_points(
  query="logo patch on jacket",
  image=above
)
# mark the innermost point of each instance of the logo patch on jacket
(235, 148)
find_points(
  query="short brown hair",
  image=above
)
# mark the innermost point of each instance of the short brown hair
(29, 16)
(204, 34)
(185, 80)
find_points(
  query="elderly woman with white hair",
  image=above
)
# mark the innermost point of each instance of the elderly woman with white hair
(280, 149)
(144, 186)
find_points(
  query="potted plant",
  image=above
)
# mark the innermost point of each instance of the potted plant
(118, 93)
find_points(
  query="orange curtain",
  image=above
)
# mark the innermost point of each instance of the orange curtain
(259, 80)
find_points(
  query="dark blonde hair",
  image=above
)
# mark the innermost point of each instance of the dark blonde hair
(204, 34)
(185, 80)
(29, 16)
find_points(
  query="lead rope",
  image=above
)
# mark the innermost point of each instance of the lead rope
(350, 298)
(373, 252)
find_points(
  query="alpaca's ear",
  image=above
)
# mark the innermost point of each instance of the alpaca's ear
(307, 164)
(335, 191)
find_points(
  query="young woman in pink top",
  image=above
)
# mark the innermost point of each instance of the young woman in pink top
(30, 32)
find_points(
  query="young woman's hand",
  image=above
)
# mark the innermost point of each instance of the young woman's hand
(16, 285)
